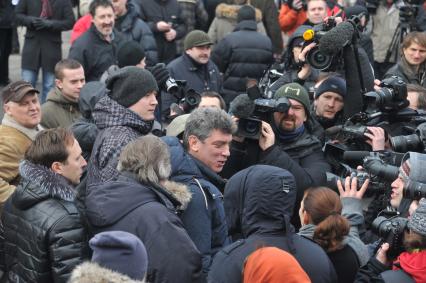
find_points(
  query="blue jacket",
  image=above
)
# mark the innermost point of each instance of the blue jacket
(204, 217)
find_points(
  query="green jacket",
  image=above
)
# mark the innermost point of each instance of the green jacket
(58, 111)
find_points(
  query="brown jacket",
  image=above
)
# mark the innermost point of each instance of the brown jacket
(14, 141)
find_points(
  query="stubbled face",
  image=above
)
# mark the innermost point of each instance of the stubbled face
(415, 54)
(73, 168)
(200, 54)
(72, 82)
(119, 7)
(294, 119)
(213, 151)
(26, 112)
(104, 20)
(328, 104)
(207, 101)
(145, 107)
(397, 190)
(317, 11)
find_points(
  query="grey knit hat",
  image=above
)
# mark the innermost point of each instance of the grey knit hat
(129, 84)
(294, 91)
(196, 38)
(417, 222)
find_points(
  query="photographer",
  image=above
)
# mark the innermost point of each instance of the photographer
(286, 142)
(412, 67)
(410, 264)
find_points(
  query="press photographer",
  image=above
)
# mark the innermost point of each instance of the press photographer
(286, 140)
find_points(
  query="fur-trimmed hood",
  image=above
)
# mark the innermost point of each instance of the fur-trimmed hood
(229, 11)
(109, 202)
(43, 183)
(91, 272)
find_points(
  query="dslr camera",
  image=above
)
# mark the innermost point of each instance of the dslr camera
(391, 231)
(188, 98)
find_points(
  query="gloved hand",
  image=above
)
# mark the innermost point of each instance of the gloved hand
(39, 24)
(160, 73)
(297, 5)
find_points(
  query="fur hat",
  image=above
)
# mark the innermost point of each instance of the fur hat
(130, 53)
(246, 13)
(294, 91)
(417, 222)
(120, 251)
(129, 84)
(196, 38)
(332, 84)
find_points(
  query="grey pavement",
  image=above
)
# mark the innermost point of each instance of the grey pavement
(15, 61)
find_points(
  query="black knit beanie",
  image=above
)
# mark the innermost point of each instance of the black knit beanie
(130, 54)
(129, 84)
(246, 13)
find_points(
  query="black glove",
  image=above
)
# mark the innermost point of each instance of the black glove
(160, 73)
(40, 24)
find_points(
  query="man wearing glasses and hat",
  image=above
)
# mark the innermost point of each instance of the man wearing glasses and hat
(18, 129)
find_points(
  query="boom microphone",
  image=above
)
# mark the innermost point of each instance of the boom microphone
(338, 37)
(242, 106)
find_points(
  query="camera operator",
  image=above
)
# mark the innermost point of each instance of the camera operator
(409, 266)
(412, 66)
(386, 22)
(286, 142)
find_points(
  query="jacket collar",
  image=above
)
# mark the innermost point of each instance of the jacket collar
(100, 36)
(246, 25)
(211, 176)
(30, 133)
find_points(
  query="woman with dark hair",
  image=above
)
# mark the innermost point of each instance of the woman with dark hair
(333, 222)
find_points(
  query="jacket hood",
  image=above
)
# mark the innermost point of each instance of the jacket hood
(259, 199)
(126, 21)
(230, 12)
(91, 272)
(55, 95)
(90, 94)
(109, 202)
(42, 184)
(108, 113)
(414, 264)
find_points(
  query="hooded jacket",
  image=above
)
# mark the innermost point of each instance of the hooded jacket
(91, 272)
(243, 54)
(43, 236)
(149, 213)
(204, 218)
(259, 202)
(58, 111)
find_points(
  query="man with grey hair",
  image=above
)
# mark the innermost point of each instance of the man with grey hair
(206, 140)
(143, 202)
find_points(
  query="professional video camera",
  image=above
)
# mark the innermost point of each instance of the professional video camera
(188, 98)
(391, 231)
(414, 142)
(316, 58)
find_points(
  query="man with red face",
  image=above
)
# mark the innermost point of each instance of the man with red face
(412, 66)
(18, 129)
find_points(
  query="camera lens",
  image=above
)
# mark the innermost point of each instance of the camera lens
(406, 143)
(414, 190)
(193, 99)
(318, 60)
(252, 127)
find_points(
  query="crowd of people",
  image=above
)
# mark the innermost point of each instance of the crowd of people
(214, 141)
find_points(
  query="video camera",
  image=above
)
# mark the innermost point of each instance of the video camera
(188, 98)
(391, 231)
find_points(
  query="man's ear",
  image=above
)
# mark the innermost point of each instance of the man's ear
(58, 83)
(56, 167)
(193, 143)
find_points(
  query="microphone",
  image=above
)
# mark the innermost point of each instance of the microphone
(242, 106)
(337, 38)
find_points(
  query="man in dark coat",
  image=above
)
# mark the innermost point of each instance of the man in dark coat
(259, 202)
(166, 22)
(6, 30)
(133, 28)
(96, 49)
(44, 20)
(242, 55)
(142, 202)
(44, 238)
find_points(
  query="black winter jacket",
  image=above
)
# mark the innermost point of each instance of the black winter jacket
(244, 54)
(408, 73)
(94, 53)
(43, 236)
(133, 28)
(150, 214)
(153, 11)
(258, 204)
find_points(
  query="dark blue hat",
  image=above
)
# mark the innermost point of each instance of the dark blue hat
(332, 84)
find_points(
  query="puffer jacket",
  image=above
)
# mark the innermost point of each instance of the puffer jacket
(58, 111)
(242, 55)
(204, 218)
(43, 236)
(150, 213)
(259, 202)
(133, 28)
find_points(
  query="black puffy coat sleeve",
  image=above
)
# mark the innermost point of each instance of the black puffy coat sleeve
(370, 273)
(67, 246)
